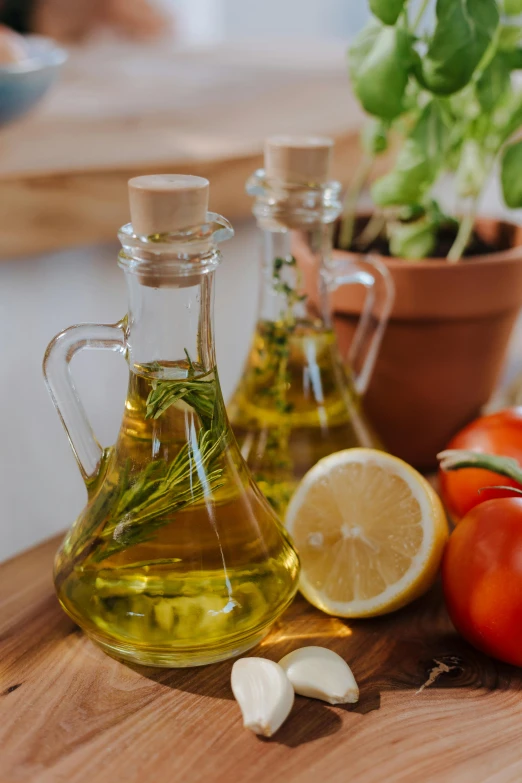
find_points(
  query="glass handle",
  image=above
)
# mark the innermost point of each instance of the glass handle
(57, 372)
(380, 292)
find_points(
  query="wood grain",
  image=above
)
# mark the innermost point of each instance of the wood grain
(70, 713)
(121, 110)
(40, 213)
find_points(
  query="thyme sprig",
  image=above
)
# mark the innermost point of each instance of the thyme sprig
(277, 336)
(284, 288)
(275, 382)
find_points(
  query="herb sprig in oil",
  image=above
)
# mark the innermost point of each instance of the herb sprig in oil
(274, 357)
(277, 336)
(141, 504)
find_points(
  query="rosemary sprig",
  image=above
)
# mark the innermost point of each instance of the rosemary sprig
(161, 490)
(200, 394)
(140, 505)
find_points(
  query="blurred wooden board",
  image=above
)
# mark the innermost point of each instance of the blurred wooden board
(121, 110)
(431, 708)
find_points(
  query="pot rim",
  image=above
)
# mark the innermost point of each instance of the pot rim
(513, 254)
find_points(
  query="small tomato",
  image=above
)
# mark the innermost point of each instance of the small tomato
(499, 433)
(482, 578)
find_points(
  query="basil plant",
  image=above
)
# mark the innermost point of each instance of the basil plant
(440, 77)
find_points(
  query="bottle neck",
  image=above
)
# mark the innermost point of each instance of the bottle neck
(292, 266)
(171, 325)
(170, 280)
(297, 223)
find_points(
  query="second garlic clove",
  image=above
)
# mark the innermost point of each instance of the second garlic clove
(321, 674)
(264, 694)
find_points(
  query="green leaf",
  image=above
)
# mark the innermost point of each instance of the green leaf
(493, 82)
(511, 175)
(413, 240)
(463, 32)
(509, 36)
(374, 137)
(418, 163)
(380, 60)
(471, 170)
(512, 7)
(508, 118)
(388, 11)
(514, 59)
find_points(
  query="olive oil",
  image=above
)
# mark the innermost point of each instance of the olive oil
(294, 405)
(180, 574)
(297, 400)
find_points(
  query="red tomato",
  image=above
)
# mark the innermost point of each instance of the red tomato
(482, 578)
(499, 433)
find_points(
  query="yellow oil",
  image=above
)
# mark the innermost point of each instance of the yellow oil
(294, 405)
(170, 585)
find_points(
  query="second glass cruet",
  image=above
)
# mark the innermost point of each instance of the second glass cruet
(299, 400)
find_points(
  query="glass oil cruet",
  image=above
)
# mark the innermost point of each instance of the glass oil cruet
(297, 400)
(177, 558)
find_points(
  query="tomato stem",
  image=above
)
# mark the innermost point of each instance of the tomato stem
(455, 459)
(514, 490)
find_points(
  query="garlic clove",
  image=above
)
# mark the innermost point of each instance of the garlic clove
(264, 694)
(321, 674)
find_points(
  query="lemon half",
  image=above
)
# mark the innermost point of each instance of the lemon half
(370, 532)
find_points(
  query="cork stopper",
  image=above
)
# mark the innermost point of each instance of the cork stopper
(298, 159)
(164, 203)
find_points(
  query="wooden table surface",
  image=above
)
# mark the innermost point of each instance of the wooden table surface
(431, 708)
(120, 110)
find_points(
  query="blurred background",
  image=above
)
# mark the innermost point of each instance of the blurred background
(215, 20)
(176, 85)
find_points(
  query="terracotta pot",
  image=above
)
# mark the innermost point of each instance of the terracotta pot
(445, 344)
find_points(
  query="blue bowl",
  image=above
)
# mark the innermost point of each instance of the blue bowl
(22, 85)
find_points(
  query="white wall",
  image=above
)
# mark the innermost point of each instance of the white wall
(326, 18)
(201, 21)
(198, 21)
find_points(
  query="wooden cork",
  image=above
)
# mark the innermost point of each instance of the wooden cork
(164, 203)
(298, 159)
